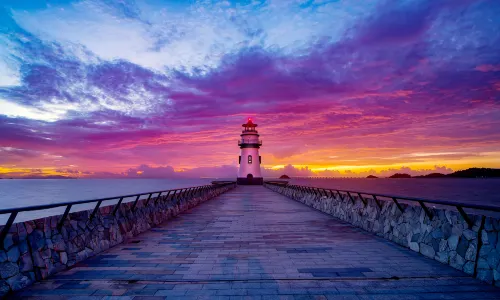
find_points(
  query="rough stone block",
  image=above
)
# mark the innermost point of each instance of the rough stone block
(453, 242)
(485, 275)
(471, 251)
(13, 254)
(437, 234)
(493, 259)
(8, 269)
(26, 263)
(457, 261)
(443, 245)
(469, 234)
(488, 224)
(18, 282)
(38, 260)
(493, 237)
(4, 288)
(469, 268)
(484, 237)
(414, 246)
(496, 275)
(37, 239)
(442, 257)
(63, 257)
(427, 250)
(446, 229)
(485, 250)
(415, 238)
(8, 241)
(463, 245)
(482, 264)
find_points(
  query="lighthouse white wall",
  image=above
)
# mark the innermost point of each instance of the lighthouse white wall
(245, 167)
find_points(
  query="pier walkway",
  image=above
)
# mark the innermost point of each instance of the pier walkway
(252, 243)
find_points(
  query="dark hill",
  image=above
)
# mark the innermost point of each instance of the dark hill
(475, 173)
(400, 175)
(284, 177)
(371, 176)
(431, 175)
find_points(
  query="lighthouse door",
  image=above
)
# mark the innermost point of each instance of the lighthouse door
(249, 177)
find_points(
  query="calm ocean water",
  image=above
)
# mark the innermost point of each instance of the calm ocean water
(27, 192)
(468, 190)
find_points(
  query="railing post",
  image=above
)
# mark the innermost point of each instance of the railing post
(166, 196)
(427, 211)
(398, 205)
(362, 199)
(92, 215)
(158, 198)
(172, 199)
(64, 216)
(465, 216)
(135, 202)
(117, 206)
(340, 195)
(376, 201)
(147, 200)
(350, 197)
(6, 227)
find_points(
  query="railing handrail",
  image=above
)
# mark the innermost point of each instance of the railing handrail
(459, 205)
(59, 204)
(15, 210)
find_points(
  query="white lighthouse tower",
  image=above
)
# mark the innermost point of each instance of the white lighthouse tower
(249, 171)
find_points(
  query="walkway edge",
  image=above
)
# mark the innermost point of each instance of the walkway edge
(34, 250)
(445, 238)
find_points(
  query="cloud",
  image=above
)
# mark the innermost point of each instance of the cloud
(488, 68)
(113, 85)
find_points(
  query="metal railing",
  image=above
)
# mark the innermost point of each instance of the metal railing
(250, 142)
(175, 194)
(346, 193)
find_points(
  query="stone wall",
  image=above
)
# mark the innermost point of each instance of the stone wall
(36, 249)
(446, 237)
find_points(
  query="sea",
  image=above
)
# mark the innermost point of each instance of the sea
(29, 192)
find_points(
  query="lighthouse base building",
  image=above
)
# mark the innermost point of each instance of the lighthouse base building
(249, 160)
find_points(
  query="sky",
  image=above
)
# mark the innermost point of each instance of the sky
(343, 88)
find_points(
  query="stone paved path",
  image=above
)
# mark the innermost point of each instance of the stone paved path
(252, 243)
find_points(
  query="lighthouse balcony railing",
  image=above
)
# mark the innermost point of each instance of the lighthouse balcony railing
(249, 142)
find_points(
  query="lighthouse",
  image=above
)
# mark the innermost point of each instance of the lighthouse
(249, 161)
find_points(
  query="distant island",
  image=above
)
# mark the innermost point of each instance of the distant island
(432, 175)
(469, 173)
(371, 176)
(400, 175)
(284, 176)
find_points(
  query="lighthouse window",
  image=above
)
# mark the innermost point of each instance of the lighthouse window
(249, 159)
